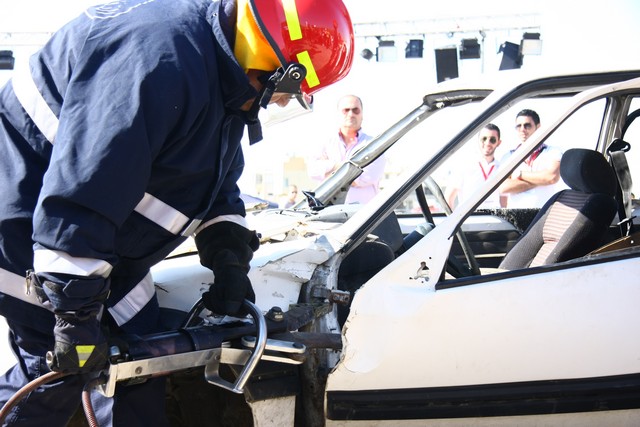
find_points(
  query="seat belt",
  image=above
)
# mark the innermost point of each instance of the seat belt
(618, 159)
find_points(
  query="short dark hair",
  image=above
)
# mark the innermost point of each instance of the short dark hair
(529, 113)
(493, 127)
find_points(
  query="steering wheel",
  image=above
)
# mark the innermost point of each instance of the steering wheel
(454, 266)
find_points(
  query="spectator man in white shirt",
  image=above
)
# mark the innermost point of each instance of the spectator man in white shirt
(473, 174)
(534, 181)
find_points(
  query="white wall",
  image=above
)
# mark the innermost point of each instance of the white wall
(602, 35)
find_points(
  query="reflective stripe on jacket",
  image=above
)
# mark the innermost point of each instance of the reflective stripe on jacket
(118, 135)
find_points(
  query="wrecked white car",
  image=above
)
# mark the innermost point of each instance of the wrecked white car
(375, 332)
(445, 332)
(355, 326)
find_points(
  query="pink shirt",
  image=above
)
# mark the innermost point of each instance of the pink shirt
(335, 151)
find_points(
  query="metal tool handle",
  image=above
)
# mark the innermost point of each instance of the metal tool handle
(233, 356)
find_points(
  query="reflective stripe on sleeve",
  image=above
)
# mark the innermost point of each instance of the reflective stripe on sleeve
(39, 111)
(61, 262)
(237, 219)
(134, 301)
(162, 214)
(16, 286)
(33, 103)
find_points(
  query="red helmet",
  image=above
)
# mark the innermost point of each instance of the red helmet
(317, 34)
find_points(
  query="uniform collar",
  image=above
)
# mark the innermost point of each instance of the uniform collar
(235, 85)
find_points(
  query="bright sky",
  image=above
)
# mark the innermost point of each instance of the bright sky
(600, 35)
(46, 15)
(604, 34)
(611, 20)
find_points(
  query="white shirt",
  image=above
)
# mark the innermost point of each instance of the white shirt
(538, 196)
(469, 178)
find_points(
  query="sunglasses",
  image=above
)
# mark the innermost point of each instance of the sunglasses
(524, 125)
(492, 139)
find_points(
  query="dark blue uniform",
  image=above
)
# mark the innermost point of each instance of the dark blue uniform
(121, 137)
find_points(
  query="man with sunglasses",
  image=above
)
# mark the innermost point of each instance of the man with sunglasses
(341, 145)
(534, 181)
(473, 175)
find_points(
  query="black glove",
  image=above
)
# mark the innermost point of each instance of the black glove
(230, 287)
(227, 248)
(80, 345)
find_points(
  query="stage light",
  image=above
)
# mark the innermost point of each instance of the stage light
(367, 54)
(511, 57)
(446, 64)
(531, 44)
(7, 60)
(414, 49)
(386, 51)
(469, 49)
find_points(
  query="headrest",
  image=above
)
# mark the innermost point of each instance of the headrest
(587, 171)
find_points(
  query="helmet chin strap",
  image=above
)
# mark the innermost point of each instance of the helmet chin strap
(254, 128)
(281, 80)
(261, 101)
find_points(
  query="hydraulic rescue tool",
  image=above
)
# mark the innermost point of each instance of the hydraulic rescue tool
(239, 343)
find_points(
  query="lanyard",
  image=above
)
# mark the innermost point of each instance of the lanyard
(534, 155)
(484, 173)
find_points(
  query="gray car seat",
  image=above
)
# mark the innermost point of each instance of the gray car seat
(573, 222)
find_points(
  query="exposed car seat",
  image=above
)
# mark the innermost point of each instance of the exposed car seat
(573, 222)
(369, 258)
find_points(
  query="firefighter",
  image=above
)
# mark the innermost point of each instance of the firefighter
(118, 141)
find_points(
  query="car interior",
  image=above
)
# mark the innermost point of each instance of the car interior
(574, 221)
(593, 216)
